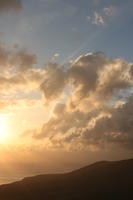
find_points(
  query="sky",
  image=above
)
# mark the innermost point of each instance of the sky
(66, 85)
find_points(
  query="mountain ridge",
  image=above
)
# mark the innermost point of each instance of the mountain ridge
(104, 179)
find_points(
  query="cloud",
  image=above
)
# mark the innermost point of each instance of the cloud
(23, 60)
(54, 81)
(98, 19)
(9, 5)
(103, 16)
(92, 98)
(110, 11)
(88, 73)
(55, 57)
(115, 77)
(115, 129)
(17, 70)
(97, 104)
(16, 58)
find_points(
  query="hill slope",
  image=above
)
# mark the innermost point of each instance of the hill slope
(102, 180)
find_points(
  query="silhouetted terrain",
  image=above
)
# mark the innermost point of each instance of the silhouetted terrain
(102, 180)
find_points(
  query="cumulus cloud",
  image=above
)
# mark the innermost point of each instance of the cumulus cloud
(88, 73)
(114, 129)
(114, 77)
(97, 107)
(92, 96)
(9, 5)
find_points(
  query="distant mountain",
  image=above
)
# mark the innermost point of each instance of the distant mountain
(99, 181)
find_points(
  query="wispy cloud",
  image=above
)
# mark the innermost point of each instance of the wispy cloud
(110, 11)
(101, 17)
(98, 19)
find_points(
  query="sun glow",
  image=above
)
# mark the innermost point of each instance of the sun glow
(3, 129)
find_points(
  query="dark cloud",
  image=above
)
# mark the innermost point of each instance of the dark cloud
(84, 73)
(54, 81)
(9, 5)
(95, 111)
(88, 75)
(17, 58)
(23, 60)
(114, 129)
(131, 71)
(17, 69)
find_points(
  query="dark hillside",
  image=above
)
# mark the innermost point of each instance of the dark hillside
(102, 180)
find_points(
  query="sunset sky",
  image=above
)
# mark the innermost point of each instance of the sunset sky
(66, 84)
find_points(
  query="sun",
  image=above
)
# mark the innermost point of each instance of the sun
(3, 129)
